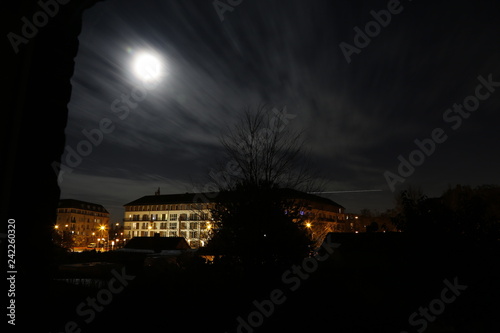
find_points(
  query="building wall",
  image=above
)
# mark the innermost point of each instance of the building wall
(321, 219)
(84, 225)
(193, 221)
(183, 220)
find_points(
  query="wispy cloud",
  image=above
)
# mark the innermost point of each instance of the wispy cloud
(357, 117)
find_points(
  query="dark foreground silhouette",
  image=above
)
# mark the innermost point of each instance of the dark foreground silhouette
(371, 283)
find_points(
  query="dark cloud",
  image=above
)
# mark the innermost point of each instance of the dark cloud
(357, 117)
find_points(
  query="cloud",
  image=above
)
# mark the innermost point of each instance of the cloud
(357, 117)
(114, 192)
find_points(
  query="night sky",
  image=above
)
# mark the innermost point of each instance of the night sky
(357, 116)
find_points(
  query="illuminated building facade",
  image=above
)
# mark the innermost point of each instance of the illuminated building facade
(170, 215)
(183, 215)
(85, 221)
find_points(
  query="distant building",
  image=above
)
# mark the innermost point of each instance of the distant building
(169, 215)
(85, 221)
(354, 224)
(319, 215)
(180, 215)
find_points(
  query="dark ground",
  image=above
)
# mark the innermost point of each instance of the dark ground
(372, 285)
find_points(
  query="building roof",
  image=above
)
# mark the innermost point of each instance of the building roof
(212, 196)
(157, 244)
(172, 199)
(294, 194)
(73, 203)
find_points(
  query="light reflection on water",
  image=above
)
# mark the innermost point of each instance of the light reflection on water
(84, 282)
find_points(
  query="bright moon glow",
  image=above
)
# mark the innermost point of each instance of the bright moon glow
(147, 67)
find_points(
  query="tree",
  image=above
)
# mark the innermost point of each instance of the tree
(409, 210)
(261, 150)
(255, 222)
(473, 212)
(64, 239)
(462, 211)
(373, 227)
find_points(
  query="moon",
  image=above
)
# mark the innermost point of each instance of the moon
(147, 67)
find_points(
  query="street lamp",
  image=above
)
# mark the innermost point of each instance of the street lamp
(309, 226)
(103, 228)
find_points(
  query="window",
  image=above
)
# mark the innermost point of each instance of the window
(163, 225)
(193, 234)
(173, 225)
(173, 217)
(154, 217)
(184, 234)
(183, 225)
(172, 233)
(163, 217)
(193, 225)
